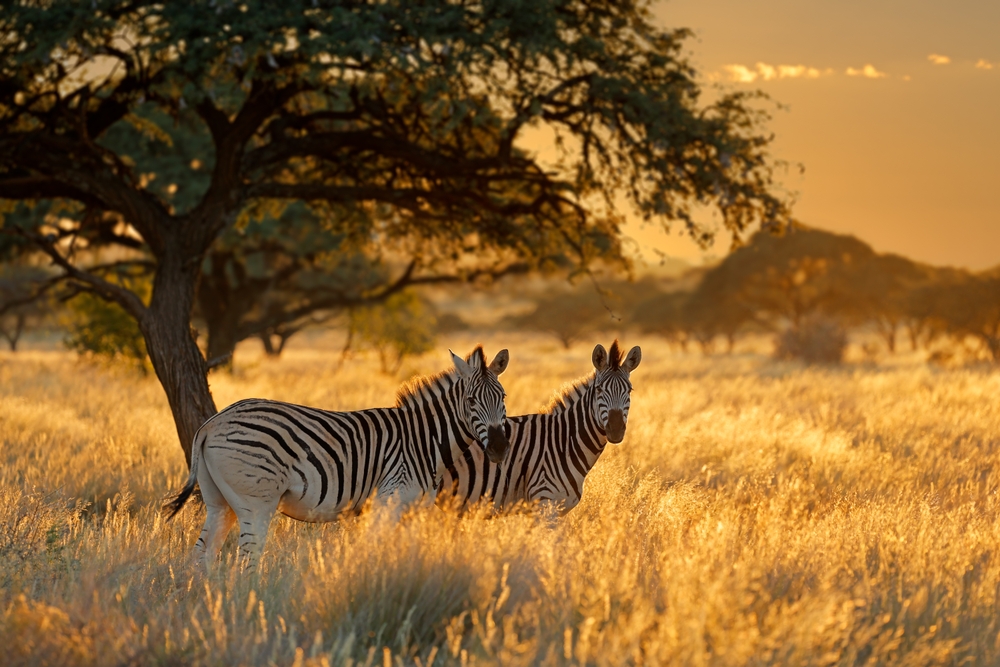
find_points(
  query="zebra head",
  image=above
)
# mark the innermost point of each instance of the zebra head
(482, 406)
(613, 388)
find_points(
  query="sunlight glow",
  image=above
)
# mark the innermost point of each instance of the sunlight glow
(938, 59)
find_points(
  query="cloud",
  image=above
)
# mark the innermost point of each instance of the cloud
(800, 71)
(740, 73)
(938, 59)
(982, 63)
(766, 72)
(868, 71)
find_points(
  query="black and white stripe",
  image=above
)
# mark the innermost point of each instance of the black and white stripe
(552, 452)
(258, 456)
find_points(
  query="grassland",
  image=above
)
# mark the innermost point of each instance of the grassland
(757, 513)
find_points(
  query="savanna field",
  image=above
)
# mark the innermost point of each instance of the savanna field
(758, 512)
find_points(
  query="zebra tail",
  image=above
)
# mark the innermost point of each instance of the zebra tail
(174, 505)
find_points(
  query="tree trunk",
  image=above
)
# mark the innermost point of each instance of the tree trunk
(178, 362)
(265, 339)
(913, 329)
(992, 340)
(888, 332)
(282, 340)
(223, 307)
(222, 341)
(14, 336)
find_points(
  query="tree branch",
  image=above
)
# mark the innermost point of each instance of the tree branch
(222, 200)
(414, 200)
(8, 306)
(453, 163)
(40, 187)
(106, 290)
(218, 361)
(115, 106)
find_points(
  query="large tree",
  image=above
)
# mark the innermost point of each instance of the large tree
(412, 111)
(783, 279)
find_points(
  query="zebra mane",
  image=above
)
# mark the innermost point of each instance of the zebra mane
(415, 387)
(569, 394)
(615, 355)
(572, 392)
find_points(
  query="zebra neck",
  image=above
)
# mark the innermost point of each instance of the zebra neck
(437, 403)
(458, 426)
(587, 438)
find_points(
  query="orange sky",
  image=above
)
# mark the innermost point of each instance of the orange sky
(895, 114)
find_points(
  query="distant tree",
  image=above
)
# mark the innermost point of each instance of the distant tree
(964, 306)
(401, 326)
(878, 290)
(411, 111)
(273, 275)
(925, 304)
(664, 314)
(568, 315)
(779, 280)
(708, 315)
(21, 306)
(816, 339)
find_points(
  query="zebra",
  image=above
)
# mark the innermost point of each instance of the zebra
(258, 456)
(552, 452)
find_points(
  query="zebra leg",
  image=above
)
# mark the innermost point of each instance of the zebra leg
(218, 521)
(253, 496)
(254, 523)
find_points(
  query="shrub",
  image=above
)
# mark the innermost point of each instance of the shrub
(104, 330)
(400, 327)
(816, 340)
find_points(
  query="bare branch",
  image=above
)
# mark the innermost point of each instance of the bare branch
(44, 287)
(106, 290)
(218, 361)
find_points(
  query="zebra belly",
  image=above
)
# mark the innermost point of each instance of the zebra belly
(303, 502)
(294, 506)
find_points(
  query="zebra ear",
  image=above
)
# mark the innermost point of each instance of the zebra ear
(461, 365)
(499, 363)
(600, 357)
(632, 360)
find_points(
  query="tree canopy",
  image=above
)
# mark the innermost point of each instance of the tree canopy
(136, 133)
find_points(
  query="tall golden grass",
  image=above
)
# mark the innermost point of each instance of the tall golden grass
(757, 513)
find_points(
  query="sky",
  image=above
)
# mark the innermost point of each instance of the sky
(892, 107)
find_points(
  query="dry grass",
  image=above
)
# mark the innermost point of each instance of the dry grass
(757, 513)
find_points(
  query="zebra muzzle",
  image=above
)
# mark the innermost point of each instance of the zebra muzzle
(497, 445)
(616, 426)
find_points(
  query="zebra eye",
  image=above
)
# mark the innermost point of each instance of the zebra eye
(472, 401)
